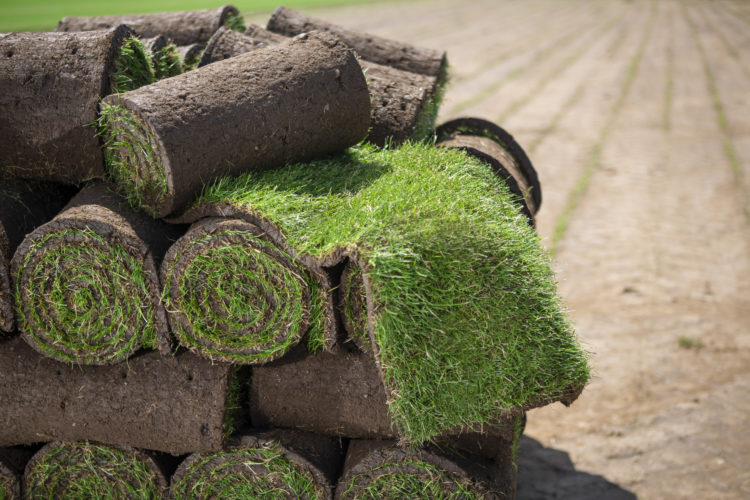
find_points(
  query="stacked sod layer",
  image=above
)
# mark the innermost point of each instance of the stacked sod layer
(235, 295)
(159, 144)
(23, 206)
(426, 226)
(86, 285)
(50, 88)
(277, 464)
(10, 486)
(184, 28)
(83, 470)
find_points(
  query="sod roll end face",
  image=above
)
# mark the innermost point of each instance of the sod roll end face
(10, 486)
(232, 294)
(87, 470)
(85, 291)
(163, 142)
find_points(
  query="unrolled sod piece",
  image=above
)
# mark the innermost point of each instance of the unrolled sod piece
(404, 104)
(23, 206)
(86, 284)
(259, 110)
(274, 464)
(50, 88)
(380, 469)
(233, 294)
(370, 47)
(175, 404)
(184, 27)
(88, 470)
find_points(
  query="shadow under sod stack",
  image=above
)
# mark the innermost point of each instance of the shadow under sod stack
(318, 316)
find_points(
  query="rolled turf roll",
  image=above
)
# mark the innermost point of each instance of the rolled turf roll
(24, 205)
(88, 470)
(370, 47)
(160, 141)
(491, 144)
(404, 104)
(50, 88)
(175, 404)
(233, 294)
(276, 464)
(10, 486)
(184, 27)
(190, 55)
(86, 284)
(165, 59)
(462, 312)
(380, 469)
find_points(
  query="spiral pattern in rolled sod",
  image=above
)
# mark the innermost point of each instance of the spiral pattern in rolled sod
(234, 295)
(81, 297)
(10, 487)
(253, 472)
(395, 474)
(132, 158)
(85, 470)
(353, 305)
(6, 306)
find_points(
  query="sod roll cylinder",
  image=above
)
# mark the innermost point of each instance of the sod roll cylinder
(165, 59)
(380, 469)
(88, 470)
(175, 404)
(50, 88)
(493, 145)
(190, 55)
(370, 47)
(276, 464)
(86, 284)
(184, 27)
(10, 486)
(226, 43)
(233, 294)
(292, 102)
(23, 206)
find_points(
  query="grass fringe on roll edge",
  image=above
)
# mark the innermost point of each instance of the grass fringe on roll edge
(7, 487)
(132, 67)
(90, 470)
(235, 22)
(165, 62)
(425, 126)
(130, 158)
(90, 317)
(202, 480)
(467, 317)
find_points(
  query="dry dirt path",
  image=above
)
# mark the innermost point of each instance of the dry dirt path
(637, 116)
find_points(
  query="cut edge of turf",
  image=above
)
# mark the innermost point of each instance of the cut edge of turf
(132, 67)
(166, 62)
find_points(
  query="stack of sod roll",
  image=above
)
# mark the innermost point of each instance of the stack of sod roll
(239, 262)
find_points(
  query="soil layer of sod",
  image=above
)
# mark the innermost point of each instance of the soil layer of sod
(463, 316)
(88, 470)
(86, 285)
(380, 469)
(232, 294)
(370, 47)
(259, 110)
(50, 88)
(184, 28)
(23, 206)
(175, 404)
(275, 464)
(404, 104)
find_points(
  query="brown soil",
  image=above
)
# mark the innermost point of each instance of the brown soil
(184, 28)
(655, 261)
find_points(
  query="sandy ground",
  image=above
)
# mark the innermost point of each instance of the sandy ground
(637, 116)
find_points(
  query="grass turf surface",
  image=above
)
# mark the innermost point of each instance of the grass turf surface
(467, 320)
(43, 15)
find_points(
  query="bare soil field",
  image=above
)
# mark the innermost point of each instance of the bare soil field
(636, 115)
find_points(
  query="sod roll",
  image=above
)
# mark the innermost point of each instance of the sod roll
(462, 312)
(190, 55)
(88, 470)
(275, 464)
(165, 58)
(493, 145)
(10, 486)
(301, 99)
(233, 294)
(403, 104)
(50, 88)
(23, 206)
(175, 404)
(370, 47)
(380, 469)
(184, 27)
(86, 284)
